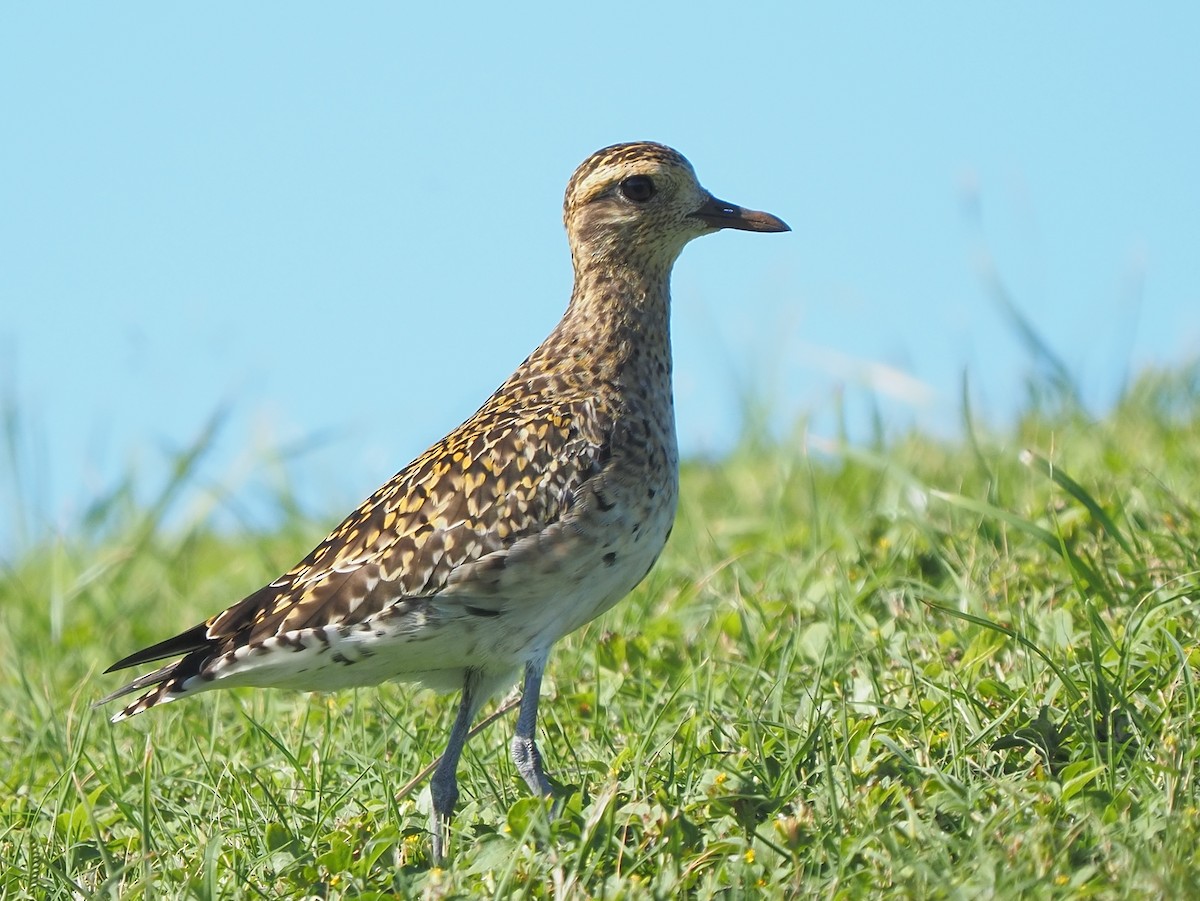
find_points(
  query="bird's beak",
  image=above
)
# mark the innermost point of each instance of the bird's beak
(719, 214)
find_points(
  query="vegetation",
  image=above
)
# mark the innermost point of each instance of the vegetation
(923, 669)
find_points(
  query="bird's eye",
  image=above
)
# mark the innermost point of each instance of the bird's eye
(638, 188)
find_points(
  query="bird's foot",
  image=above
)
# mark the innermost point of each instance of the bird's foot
(528, 762)
(444, 795)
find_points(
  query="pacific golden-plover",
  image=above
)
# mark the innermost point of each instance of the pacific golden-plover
(530, 519)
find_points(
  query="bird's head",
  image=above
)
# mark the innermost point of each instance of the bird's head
(642, 199)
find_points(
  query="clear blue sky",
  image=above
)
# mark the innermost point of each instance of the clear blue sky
(341, 221)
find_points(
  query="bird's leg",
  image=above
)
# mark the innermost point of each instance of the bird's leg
(443, 787)
(524, 747)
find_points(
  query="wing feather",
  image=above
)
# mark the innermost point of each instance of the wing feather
(504, 475)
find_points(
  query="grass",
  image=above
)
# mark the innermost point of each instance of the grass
(922, 669)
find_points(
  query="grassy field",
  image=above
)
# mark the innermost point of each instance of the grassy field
(919, 669)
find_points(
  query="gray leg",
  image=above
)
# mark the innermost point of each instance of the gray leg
(524, 747)
(443, 787)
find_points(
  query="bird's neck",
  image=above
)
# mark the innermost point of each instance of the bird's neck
(621, 316)
(613, 344)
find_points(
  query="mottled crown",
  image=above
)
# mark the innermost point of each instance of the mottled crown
(584, 183)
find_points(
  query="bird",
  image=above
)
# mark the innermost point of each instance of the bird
(536, 515)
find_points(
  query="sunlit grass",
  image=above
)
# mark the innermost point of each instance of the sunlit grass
(921, 668)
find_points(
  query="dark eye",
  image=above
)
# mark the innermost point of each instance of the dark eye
(638, 188)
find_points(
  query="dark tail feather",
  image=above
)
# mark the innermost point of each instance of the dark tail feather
(191, 640)
(168, 684)
(159, 675)
(168, 680)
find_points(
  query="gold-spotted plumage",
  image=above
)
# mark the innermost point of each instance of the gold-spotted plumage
(534, 516)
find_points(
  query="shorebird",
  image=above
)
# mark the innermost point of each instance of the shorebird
(531, 518)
